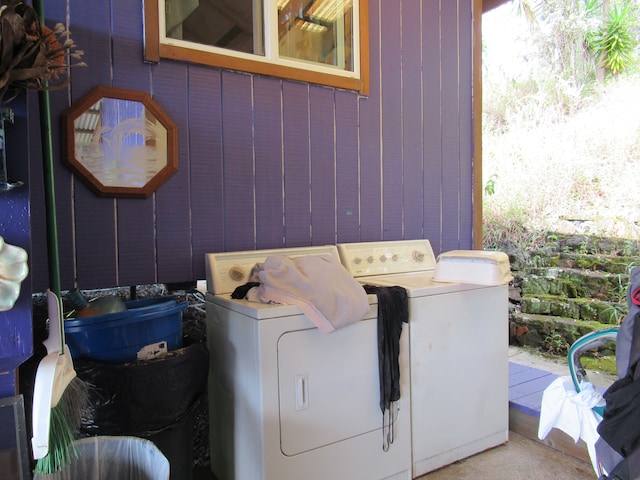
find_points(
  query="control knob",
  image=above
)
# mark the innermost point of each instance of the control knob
(236, 273)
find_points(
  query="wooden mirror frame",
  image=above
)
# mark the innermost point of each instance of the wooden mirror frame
(83, 171)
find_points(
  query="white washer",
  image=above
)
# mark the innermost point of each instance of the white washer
(289, 402)
(458, 336)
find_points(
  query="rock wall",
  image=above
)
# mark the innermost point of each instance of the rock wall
(571, 286)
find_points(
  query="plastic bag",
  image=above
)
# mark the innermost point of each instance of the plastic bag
(109, 458)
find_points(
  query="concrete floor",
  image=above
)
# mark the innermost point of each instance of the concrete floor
(519, 459)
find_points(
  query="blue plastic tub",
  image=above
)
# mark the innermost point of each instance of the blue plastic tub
(139, 307)
(119, 336)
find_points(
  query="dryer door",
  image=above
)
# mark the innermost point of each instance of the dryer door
(328, 386)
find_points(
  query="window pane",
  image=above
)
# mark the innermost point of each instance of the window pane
(319, 31)
(231, 24)
(324, 42)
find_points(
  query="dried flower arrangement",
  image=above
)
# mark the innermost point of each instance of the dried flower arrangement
(31, 54)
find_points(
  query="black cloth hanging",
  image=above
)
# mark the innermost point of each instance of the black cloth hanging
(393, 311)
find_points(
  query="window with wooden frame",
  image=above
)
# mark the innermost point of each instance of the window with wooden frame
(317, 41)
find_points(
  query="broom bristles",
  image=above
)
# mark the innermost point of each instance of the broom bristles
(66, 418)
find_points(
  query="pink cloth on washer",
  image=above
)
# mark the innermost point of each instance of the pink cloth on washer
(318, 284)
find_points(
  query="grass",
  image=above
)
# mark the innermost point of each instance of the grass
(552, 168)
(605, 364)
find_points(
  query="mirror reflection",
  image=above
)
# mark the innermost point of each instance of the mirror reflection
(120, 143)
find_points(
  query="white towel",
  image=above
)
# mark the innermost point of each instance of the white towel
(318, 284)
(567, 410)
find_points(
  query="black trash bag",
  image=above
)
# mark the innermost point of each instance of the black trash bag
(146, 396)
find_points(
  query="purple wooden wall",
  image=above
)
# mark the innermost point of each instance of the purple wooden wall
(16, 337)
(265, 163)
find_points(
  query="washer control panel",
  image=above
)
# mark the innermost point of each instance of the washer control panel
(380, 258)
(228, 270)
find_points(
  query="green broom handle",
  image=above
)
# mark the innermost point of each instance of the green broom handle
(49, 184)
(49, 181)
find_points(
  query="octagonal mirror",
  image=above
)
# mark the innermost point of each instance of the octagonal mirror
(119, 142)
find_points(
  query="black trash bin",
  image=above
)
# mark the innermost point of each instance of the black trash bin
(154, 399)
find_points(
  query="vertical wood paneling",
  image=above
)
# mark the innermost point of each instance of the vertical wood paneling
(297, 192)
(268, 163)
(323, 169)
(135, 217)
(205, 159)
(450, 127)
(93, 218)
(412, 147)
(370, 187)
(432, 114)
(391, 98)
(173, 218)
(239, 195)
(128, 71)
(347, 167)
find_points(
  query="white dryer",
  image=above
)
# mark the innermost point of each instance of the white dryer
(287, 401)
(458, 336)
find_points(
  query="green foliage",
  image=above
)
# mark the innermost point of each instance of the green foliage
(614, 39)
(573, 37)
(490, 186)
(555, 344)
(628, 250)
(600, 363)
(614, 313)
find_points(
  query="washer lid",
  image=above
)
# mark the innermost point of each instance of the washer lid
(417, 284)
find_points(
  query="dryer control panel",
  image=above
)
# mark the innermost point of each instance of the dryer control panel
(228, 270)
(380, 258)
